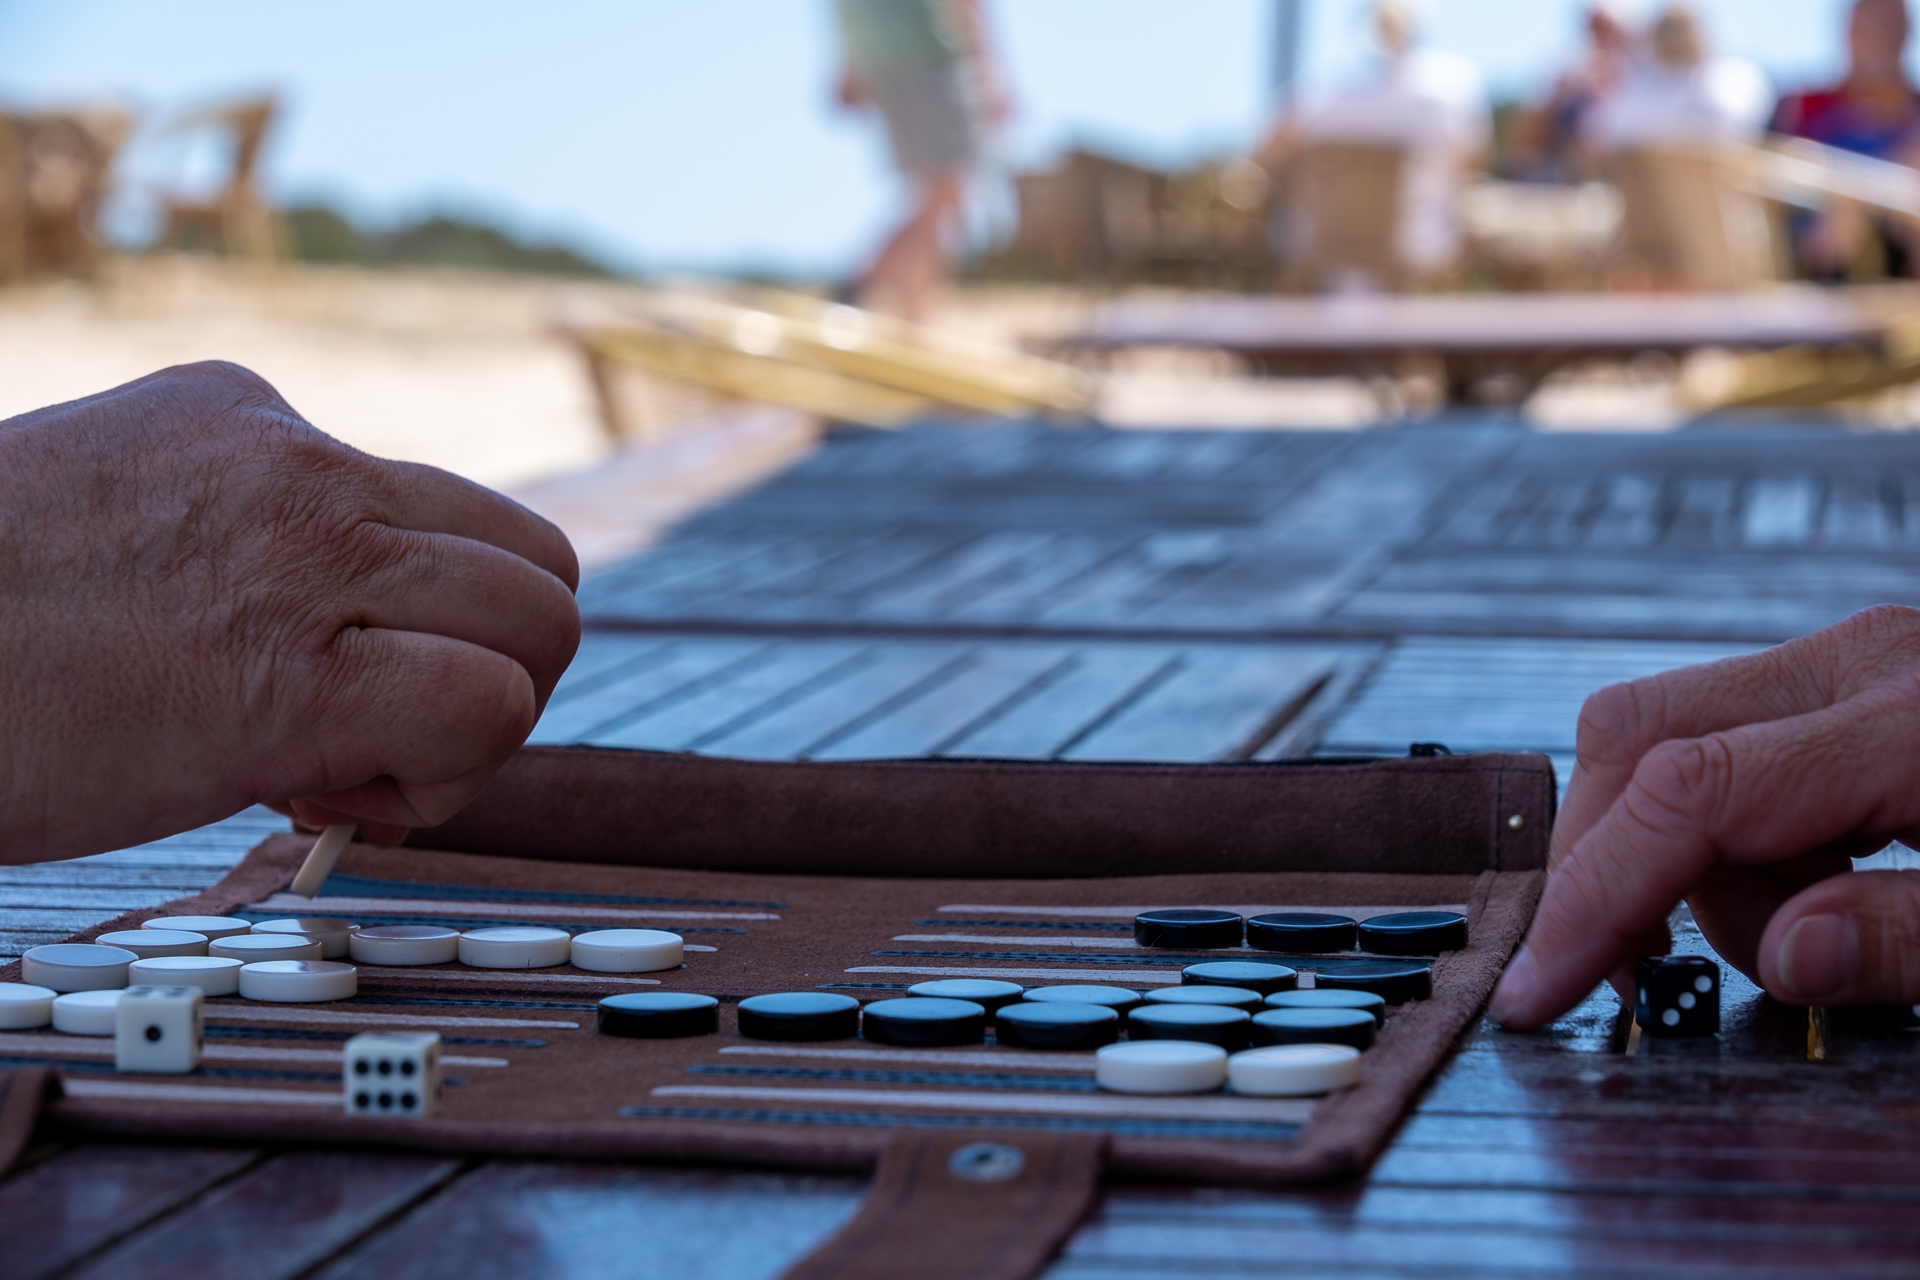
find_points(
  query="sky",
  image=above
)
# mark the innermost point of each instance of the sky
(664, 135)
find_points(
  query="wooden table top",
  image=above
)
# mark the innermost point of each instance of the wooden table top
(1074, 594)
(1507, 323)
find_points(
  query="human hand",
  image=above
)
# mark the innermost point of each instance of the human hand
(206, 603)
(1743, 787)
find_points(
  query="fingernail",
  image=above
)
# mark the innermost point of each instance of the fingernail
(1820, 957)
(1515, 986)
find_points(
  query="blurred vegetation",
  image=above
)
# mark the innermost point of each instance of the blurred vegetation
(320, 234)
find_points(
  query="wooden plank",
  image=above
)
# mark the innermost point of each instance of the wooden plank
(900, 671)
(1780, 512)
(277, 1220)
(602, 659)
(59, 1212)
(675, 668)
(510, 1220)
(1055, 712)
(711, 711)
(1494, 694)
(1216, 704)
(992, 681)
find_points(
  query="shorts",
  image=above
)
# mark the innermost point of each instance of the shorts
(931, 116)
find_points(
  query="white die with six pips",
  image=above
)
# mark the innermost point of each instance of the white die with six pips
(393, 1073)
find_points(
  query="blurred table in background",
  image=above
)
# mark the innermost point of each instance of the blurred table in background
(1520, 337)
(1032, 591)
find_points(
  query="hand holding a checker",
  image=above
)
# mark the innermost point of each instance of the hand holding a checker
(206, 603)
(1743, 787)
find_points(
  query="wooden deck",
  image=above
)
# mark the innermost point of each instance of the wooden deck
(1087, 594)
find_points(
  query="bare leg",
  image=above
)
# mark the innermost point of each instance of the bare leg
(911, 267)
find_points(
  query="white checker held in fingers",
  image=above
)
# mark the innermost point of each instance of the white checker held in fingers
(23, 1006)
(212, 927)
(515, 947)
(1160, 1066)
(332, 935)
(1294, 1070)
(214, 975)
(627, 950)
(157, 1030)
(249, 947)
(85, 1013)
(148, 943)
(299, 981)
(404, 944)
(392, 1073)
(76, 966)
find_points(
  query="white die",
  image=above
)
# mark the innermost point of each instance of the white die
(393, 1073)
(157, 1030)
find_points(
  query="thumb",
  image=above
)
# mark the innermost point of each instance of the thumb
(1850, 939)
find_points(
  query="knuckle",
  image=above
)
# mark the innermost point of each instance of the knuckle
(1610, 721)
(1685, 780)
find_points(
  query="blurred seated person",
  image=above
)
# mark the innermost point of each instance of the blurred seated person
(1550, 140)
(1873, 111)
(1679, 96)
(1429, 104)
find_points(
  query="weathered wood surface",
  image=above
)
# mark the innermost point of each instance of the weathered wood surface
(1478, 529)
(865, 604)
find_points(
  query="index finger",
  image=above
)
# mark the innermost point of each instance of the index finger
(1751, 796)
(426, 499)
(1621, 723)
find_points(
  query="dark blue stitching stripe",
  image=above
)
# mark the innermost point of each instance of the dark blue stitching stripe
(1340, 964)
(1081, 925)
(96, 1066)
(346, 886)
(339, 1037)
(1228, 1131)
(476, 922)
(368, 997)
(1032, 1081)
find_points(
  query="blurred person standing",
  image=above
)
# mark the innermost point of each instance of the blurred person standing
(1432, 105)
(1679, 95)
(1873, 111)
(923, 65)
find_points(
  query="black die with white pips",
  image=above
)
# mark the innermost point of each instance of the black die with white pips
(1677, 995)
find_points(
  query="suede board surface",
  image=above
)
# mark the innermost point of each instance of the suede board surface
(563, 1089)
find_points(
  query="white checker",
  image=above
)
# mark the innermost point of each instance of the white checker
(157, 1030)
(148, 943)
(299, 981)
(1160, 1066)
(214, 975)
(85, 1013)
(249, 947)
(627, 950)
(332, 935)
(1294, 1070)
(515, 947)
(392, 1073)
(76, 966)
(403, 944)
(213, 927)
(23, 1006)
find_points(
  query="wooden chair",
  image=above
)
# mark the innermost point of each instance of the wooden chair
(237, 221)
(1689, 222)
(1340, 206)
(13, 203)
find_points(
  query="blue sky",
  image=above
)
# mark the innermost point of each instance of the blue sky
(699, 135)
